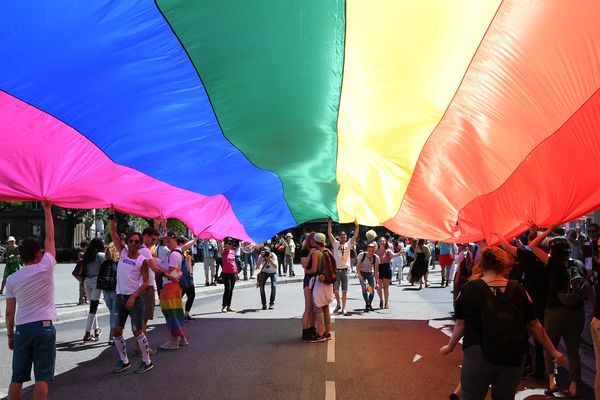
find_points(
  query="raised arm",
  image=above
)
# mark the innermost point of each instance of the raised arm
(356, 232)
(114, 234)
(534, 245)
(49, 245)
(512, 250)
(189, 244)
(329, 231)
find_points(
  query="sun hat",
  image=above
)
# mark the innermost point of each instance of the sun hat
(289, 235)
(371, 235)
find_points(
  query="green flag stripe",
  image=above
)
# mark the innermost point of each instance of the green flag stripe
(273, 72)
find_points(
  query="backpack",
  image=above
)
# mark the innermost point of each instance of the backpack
(327, 269)
(79, 270)
(504, 328)
(573, 291)
(186, 280)
(107, 277)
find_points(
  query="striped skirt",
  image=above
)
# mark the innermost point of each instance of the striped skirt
(172, 308)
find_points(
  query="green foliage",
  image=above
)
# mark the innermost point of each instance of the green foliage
(177, 226)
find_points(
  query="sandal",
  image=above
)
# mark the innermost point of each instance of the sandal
(570, 395)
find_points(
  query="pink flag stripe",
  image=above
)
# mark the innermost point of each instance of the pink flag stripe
(49, 159)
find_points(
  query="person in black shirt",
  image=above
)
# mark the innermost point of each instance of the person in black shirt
(561, 320)
(478, 373)
(536, 282)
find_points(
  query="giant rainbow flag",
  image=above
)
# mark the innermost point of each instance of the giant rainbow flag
(441, 119)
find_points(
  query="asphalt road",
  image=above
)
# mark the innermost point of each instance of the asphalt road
(256, 354)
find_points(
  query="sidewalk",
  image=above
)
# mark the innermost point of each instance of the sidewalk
(66, 292)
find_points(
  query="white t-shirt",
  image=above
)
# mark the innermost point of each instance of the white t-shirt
(129, 273)
(173, 265)
(162, 252)
(341, 253)
(262, 263)
(33, 288)
(148, 256)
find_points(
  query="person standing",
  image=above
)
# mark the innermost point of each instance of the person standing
(267, 263)
(210, 253)
(322, 293)
(341, 252)
(446, 258)
(229, 272)
(132, 282)
(33, 338)
(290, 251)
(171, 303)
(13, 261)
(82, 249)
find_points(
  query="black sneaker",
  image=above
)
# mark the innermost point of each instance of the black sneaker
(319, 339)
(270, 306)
(143, 367)
(120, 367)
(264, 307)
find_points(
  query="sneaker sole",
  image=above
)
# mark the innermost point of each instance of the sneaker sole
(122, 369)
(137, 371)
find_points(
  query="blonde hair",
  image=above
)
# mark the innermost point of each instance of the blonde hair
(112, 253)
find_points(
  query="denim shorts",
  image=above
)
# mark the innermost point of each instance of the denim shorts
(136, 313)
(34, 343)
(342, 277)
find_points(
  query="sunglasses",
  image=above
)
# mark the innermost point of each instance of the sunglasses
(134, 241)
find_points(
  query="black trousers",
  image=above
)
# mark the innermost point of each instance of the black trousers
(229, 282)
(191, 295)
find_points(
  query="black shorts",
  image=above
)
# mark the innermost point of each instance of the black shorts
(385, 271)
(306, 280)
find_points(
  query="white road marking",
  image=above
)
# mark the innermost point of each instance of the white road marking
(329, 390)
(417, 358)
(331, 348)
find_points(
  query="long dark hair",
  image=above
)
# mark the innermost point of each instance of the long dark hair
(96, 246)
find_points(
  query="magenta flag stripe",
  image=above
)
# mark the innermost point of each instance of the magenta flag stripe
(48, 159)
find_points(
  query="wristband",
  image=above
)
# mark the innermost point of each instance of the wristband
(111, 217)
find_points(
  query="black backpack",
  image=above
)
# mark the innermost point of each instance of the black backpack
(575, 282)
(504, 328)
(107, 277)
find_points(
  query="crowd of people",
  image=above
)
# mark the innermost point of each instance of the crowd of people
(544, 284)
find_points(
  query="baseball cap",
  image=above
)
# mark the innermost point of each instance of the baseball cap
(372, 244)
(319, 238)
(11, 239)
(288, 235)
(170, 234)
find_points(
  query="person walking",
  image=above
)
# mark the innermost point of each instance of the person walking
(31, 334)
(384, 279)
(490, 359)
(565, 315)
(107, 282)
(132, 282)
(341, 252)
(367, 267)
(92, 259)
(446, 258)
(229, 272)
(267, 263)
(13, 261)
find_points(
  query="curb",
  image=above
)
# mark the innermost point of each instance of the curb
(81, 312)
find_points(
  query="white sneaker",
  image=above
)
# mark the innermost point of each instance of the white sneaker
(224, 309)
(344, 312)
